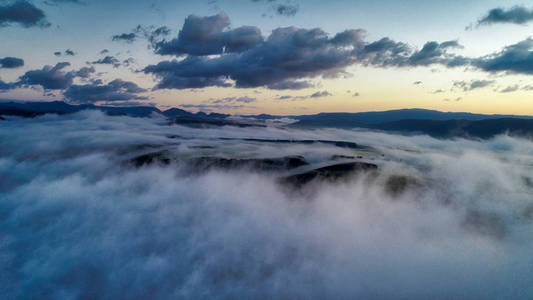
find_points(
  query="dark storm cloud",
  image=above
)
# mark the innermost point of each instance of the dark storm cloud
(516, 58)
(49, 77)
(116, 90)
(514, 15)
(23, 13)
(210, 35)
(287, 55)
(11, 62)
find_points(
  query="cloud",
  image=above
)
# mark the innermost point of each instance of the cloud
(516, 58)
(53, 77)
(287, 10)
(456, 99)
(4, 86)
(290, 85)
(434, 52)
(49, 77)
(191, 72)
(516, 87)
(311, 53)
(511, 88)
(321, 94)
(67, 52)
(23, 13)
(116, 90)
(473, 84)
(514, 15)
(151, 33)
(11, 62)
(209, 35)
(108, 60)
(244, 99)
(76, 219)
(84, 72)
(209, 107)
(56, 2)
(287, 55)
(125, 37)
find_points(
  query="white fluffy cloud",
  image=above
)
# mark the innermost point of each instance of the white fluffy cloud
(77, 223)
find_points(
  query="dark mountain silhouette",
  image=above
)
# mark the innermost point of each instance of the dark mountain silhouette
(32, 109)
(461, 128)
(406, 121)
(176, 112)
(351, 120)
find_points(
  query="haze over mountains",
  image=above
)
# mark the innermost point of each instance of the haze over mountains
(411, 121)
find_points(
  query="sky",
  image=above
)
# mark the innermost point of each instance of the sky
(271, 56)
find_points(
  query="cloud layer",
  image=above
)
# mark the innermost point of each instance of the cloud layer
(77, 223)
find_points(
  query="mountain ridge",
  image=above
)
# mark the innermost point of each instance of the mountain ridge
(339, 119)
(403, 121)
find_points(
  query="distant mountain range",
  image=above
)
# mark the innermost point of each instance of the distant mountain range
(32, 109)
(408, 121)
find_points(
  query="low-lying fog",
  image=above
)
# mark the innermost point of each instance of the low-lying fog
(78, 221)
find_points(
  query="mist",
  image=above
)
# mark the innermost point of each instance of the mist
(77, 222)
